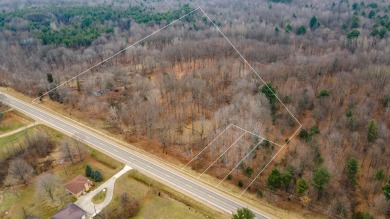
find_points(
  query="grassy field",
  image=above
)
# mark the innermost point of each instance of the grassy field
(4, 107)
(99, 198)
(251, 198)
(25, 198)
(10, 144)
(157, 200)
(13, 120)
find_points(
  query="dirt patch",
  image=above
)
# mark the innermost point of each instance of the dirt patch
(12, 117)
(19, 118)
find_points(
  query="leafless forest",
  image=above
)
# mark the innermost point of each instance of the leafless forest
(327, 61)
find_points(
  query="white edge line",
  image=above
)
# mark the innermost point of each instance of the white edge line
(93, 145)
(235, 50)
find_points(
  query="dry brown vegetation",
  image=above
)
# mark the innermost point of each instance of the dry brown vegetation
(181, 88)
(33, 175)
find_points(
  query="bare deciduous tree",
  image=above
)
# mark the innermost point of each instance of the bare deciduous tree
(79, 147)
(67, 151)
(20, 171)
(47, 185)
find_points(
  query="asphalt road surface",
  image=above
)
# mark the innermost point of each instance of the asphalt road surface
(169, 177)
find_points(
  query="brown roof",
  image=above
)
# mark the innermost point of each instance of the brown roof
(76, 185)
(70, 211)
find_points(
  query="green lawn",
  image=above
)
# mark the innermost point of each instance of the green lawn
(157, 200)
(10, 144)
(99, 198)
(97, 160)
(13, 120)
(26, 197)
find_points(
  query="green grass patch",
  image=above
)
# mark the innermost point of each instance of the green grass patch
(13, 120)
(26, 199)
(26, 195)
(174, 194)
(106, 160)
(70, 171)
(157, 200)
(11, 144)
(99, 198)
(22, 115)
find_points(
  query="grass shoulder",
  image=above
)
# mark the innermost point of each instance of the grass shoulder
(151, 199)
(18, 200)
(12, 120)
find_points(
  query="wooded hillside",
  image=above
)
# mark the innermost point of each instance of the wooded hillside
(327, 61)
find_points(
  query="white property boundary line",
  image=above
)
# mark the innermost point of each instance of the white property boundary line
(127, 162)
(240, 162)
(85, 140)
(300, 125)
(206, 147)
(221, 154)
(128, 47)
(270, 160)
(249, 65)
(229, 126)
(258, 136)
(217, 28)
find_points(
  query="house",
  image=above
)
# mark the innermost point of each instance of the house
(78, 185)
(70, 211)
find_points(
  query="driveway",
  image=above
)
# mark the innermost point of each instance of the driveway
(19, 129)
(85, 202)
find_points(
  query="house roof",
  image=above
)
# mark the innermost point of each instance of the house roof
(70, 211)
(77, 184)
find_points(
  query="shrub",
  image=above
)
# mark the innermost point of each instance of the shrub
(353, 34)
(88, 171)
(243, 213)
(302, 186)
(304, 134)
(362, 215)
(301, 30)
(274, 179)
(229, 176)
(323, 93)
(260, 194)
(380, 175)
(265, 143)
(372, 131)
(248, 171)
(97, 176)
(288, 28)
(386, 100)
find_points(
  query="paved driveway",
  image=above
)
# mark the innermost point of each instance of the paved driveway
(85, 202)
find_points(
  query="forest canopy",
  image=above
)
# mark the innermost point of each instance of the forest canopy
(80, 25)
(176, 91)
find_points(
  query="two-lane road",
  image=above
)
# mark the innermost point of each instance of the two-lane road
(169, 177)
